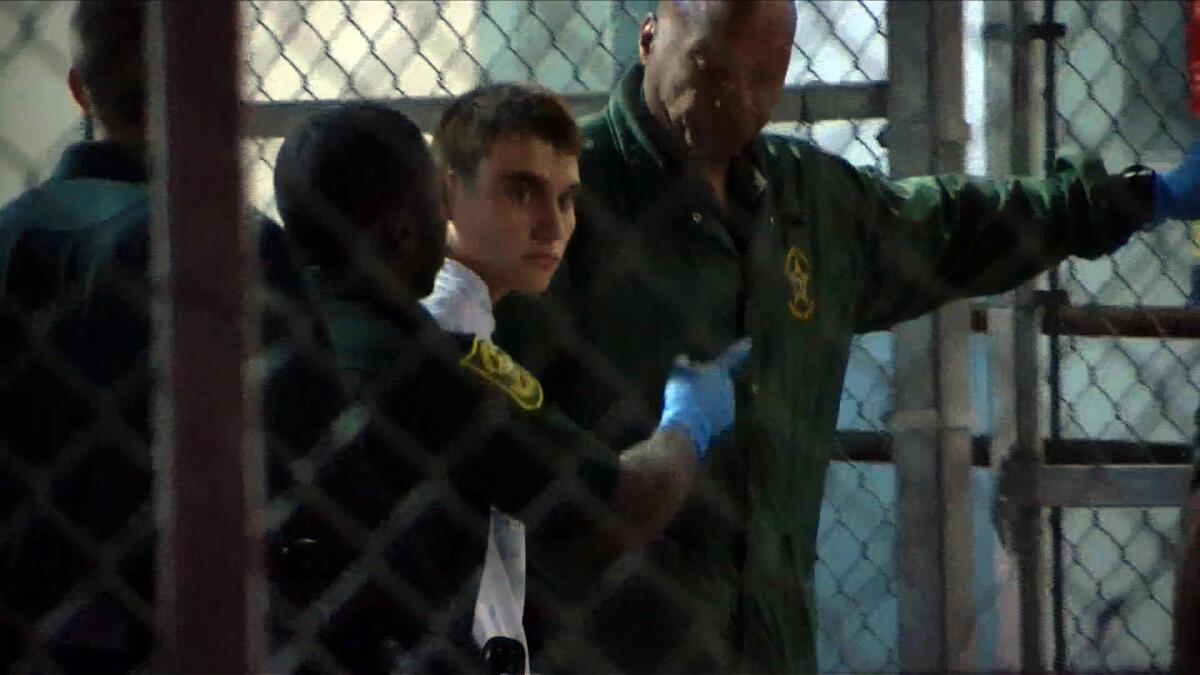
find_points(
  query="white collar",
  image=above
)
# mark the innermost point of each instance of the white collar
(461, 301)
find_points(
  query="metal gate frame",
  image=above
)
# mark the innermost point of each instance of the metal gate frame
(1039, 473)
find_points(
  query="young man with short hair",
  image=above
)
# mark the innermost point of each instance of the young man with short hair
(455, 426)
(508, 157)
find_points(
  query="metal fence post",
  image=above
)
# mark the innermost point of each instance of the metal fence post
(207, 482)
(1017, 450)
(932, 423)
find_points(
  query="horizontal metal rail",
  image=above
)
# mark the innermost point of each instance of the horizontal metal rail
(1111, 322)
(1100, 486)
(807, 103)
(1078, 472)
(869, 446)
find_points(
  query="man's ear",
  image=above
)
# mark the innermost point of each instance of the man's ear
(78, 92)
(646, 36)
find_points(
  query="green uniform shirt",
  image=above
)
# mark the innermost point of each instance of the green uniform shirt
(811, 252)
(457, 428)
(75, 383)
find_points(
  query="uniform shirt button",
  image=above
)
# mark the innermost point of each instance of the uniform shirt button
(696, 217)
(771, 220)
(754, 390)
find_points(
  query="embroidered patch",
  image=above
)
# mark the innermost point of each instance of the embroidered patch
(494, 365)
(799, 274)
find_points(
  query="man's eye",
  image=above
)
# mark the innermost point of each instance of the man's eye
(520, 194)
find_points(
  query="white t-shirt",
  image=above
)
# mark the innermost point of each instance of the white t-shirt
(461, 303)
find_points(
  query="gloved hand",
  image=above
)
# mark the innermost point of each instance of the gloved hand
(1177, 192)
(699, 398)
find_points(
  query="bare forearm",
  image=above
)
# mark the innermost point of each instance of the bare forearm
(656, 477)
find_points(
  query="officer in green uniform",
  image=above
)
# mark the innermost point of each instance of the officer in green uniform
(75, 377)
(456, 427)
(694, 229)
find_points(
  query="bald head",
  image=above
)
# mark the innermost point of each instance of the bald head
(760, 16)
(714, 69)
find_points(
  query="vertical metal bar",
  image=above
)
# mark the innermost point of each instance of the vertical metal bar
(207, 482)
(1055, 366)
(1028, 531)
(1003, 375)
(931, 425)
(1017, 426)
(914, 422)
(999, 71)
(953, 357)
(1003, 113)
(1028, 540)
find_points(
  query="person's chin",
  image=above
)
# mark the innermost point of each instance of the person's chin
(534, 286)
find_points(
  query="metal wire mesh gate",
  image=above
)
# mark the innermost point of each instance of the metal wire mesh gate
(1117, 88)
(1118, 363)
(1120, 89)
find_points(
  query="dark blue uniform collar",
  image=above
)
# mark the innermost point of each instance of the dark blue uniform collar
(100, 159)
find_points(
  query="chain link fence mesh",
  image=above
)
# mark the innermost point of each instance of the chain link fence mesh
(1120, 74)
(341, 51)
(1121, 91)
(347, 51)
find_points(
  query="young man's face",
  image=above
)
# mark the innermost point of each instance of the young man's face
(512, 223)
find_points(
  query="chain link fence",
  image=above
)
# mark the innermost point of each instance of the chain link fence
(349, 50)
(1120, 91)
(341, 51)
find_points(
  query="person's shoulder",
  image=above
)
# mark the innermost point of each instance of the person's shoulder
(74, 205)
(496, 370)
(789, 151)
(92, 223)
(792, 161)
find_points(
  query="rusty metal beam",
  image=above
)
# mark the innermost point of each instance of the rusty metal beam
(1111, 322)
(207, 479)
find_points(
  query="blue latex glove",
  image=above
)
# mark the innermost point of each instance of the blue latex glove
(699, 398)
(1177, 192)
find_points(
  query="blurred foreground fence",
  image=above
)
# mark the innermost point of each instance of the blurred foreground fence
(1081, 389)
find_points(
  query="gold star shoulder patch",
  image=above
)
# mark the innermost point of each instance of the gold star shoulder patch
(799, 274)
(496, 367)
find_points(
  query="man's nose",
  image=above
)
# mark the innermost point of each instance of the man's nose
(551, 224)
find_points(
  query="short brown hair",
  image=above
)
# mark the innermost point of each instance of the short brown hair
(109, 37)
(478, 118)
